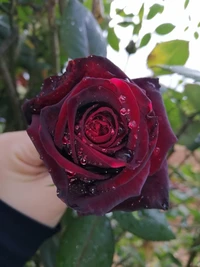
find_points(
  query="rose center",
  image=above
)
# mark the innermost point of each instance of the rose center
(99, 128)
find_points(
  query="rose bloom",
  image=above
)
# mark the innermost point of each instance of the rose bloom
(103, 137)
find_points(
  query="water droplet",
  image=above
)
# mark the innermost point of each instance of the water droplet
(77, 127)
(83, 160)
(113, 187)
(156, 151)
(132, 124)
(135, 136)
(104, 150)
(41, 157)
(122, 98)
(84, 140)
(58, 192)
(49, 170)
(65, 140)
(92, 189)
(138, 161)
(124, 111)
(73, 23)
(112, 131)
(124, 154)
(69, 152)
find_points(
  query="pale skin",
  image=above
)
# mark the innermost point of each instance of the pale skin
(25, 183)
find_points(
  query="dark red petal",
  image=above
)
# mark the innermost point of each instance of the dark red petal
(166, 137)
(51, 150)
(93, 66)
(106, 201)
(131, 105)
(59, 176)
(95, 156)
(154, 194)
(50, 84)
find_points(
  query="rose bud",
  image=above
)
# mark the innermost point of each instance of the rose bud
(103, 137)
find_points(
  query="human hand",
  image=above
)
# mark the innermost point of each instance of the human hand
(25, 183)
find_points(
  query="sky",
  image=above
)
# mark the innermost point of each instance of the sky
(174, 13)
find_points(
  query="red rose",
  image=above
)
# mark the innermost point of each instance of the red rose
(103, 137)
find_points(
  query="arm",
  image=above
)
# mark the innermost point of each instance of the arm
(29, 207)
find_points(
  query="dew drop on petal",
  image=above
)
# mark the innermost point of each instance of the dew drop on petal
(83, 160)
(112, 131)
(92, 189)
(132, 124)
(156, 151)
(58, 192)
(77, 127)
(123, 111)
(122, 98)
(65, 141)
(104, 150)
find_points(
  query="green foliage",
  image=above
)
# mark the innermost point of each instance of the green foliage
(145, 40)
(154, 10)
(175, 52)
(80, 33)
(112, 39)
(83, 240)
(164, 28)
(147, 224)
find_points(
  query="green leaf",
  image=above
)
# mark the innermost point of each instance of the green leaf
(173, 104)
(164, 28)
(192, 92)
(141, 13)
(190, 73)
(125, 23)
(147, 224)
(145, 40)
(87, 242)
(196, 35)
(137, 28)
(80, 33)
(198, 24)
(48, 251)
(186, 3)
(154, 10)
(175, 52)
(113, 39)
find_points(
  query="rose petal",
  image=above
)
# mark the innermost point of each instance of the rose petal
(59, 176)
(106, 201)
(166, 137)
(154, 194)
(50, 148)
(93, 66)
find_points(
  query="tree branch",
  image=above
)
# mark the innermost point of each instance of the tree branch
(17, 113)
(51, 6)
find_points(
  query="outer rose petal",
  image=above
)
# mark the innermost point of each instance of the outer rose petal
(154, 194)
(166, 137)
(92, 66)
(106, 201)
(58, 174)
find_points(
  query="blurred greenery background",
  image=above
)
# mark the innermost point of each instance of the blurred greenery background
(154, 38)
